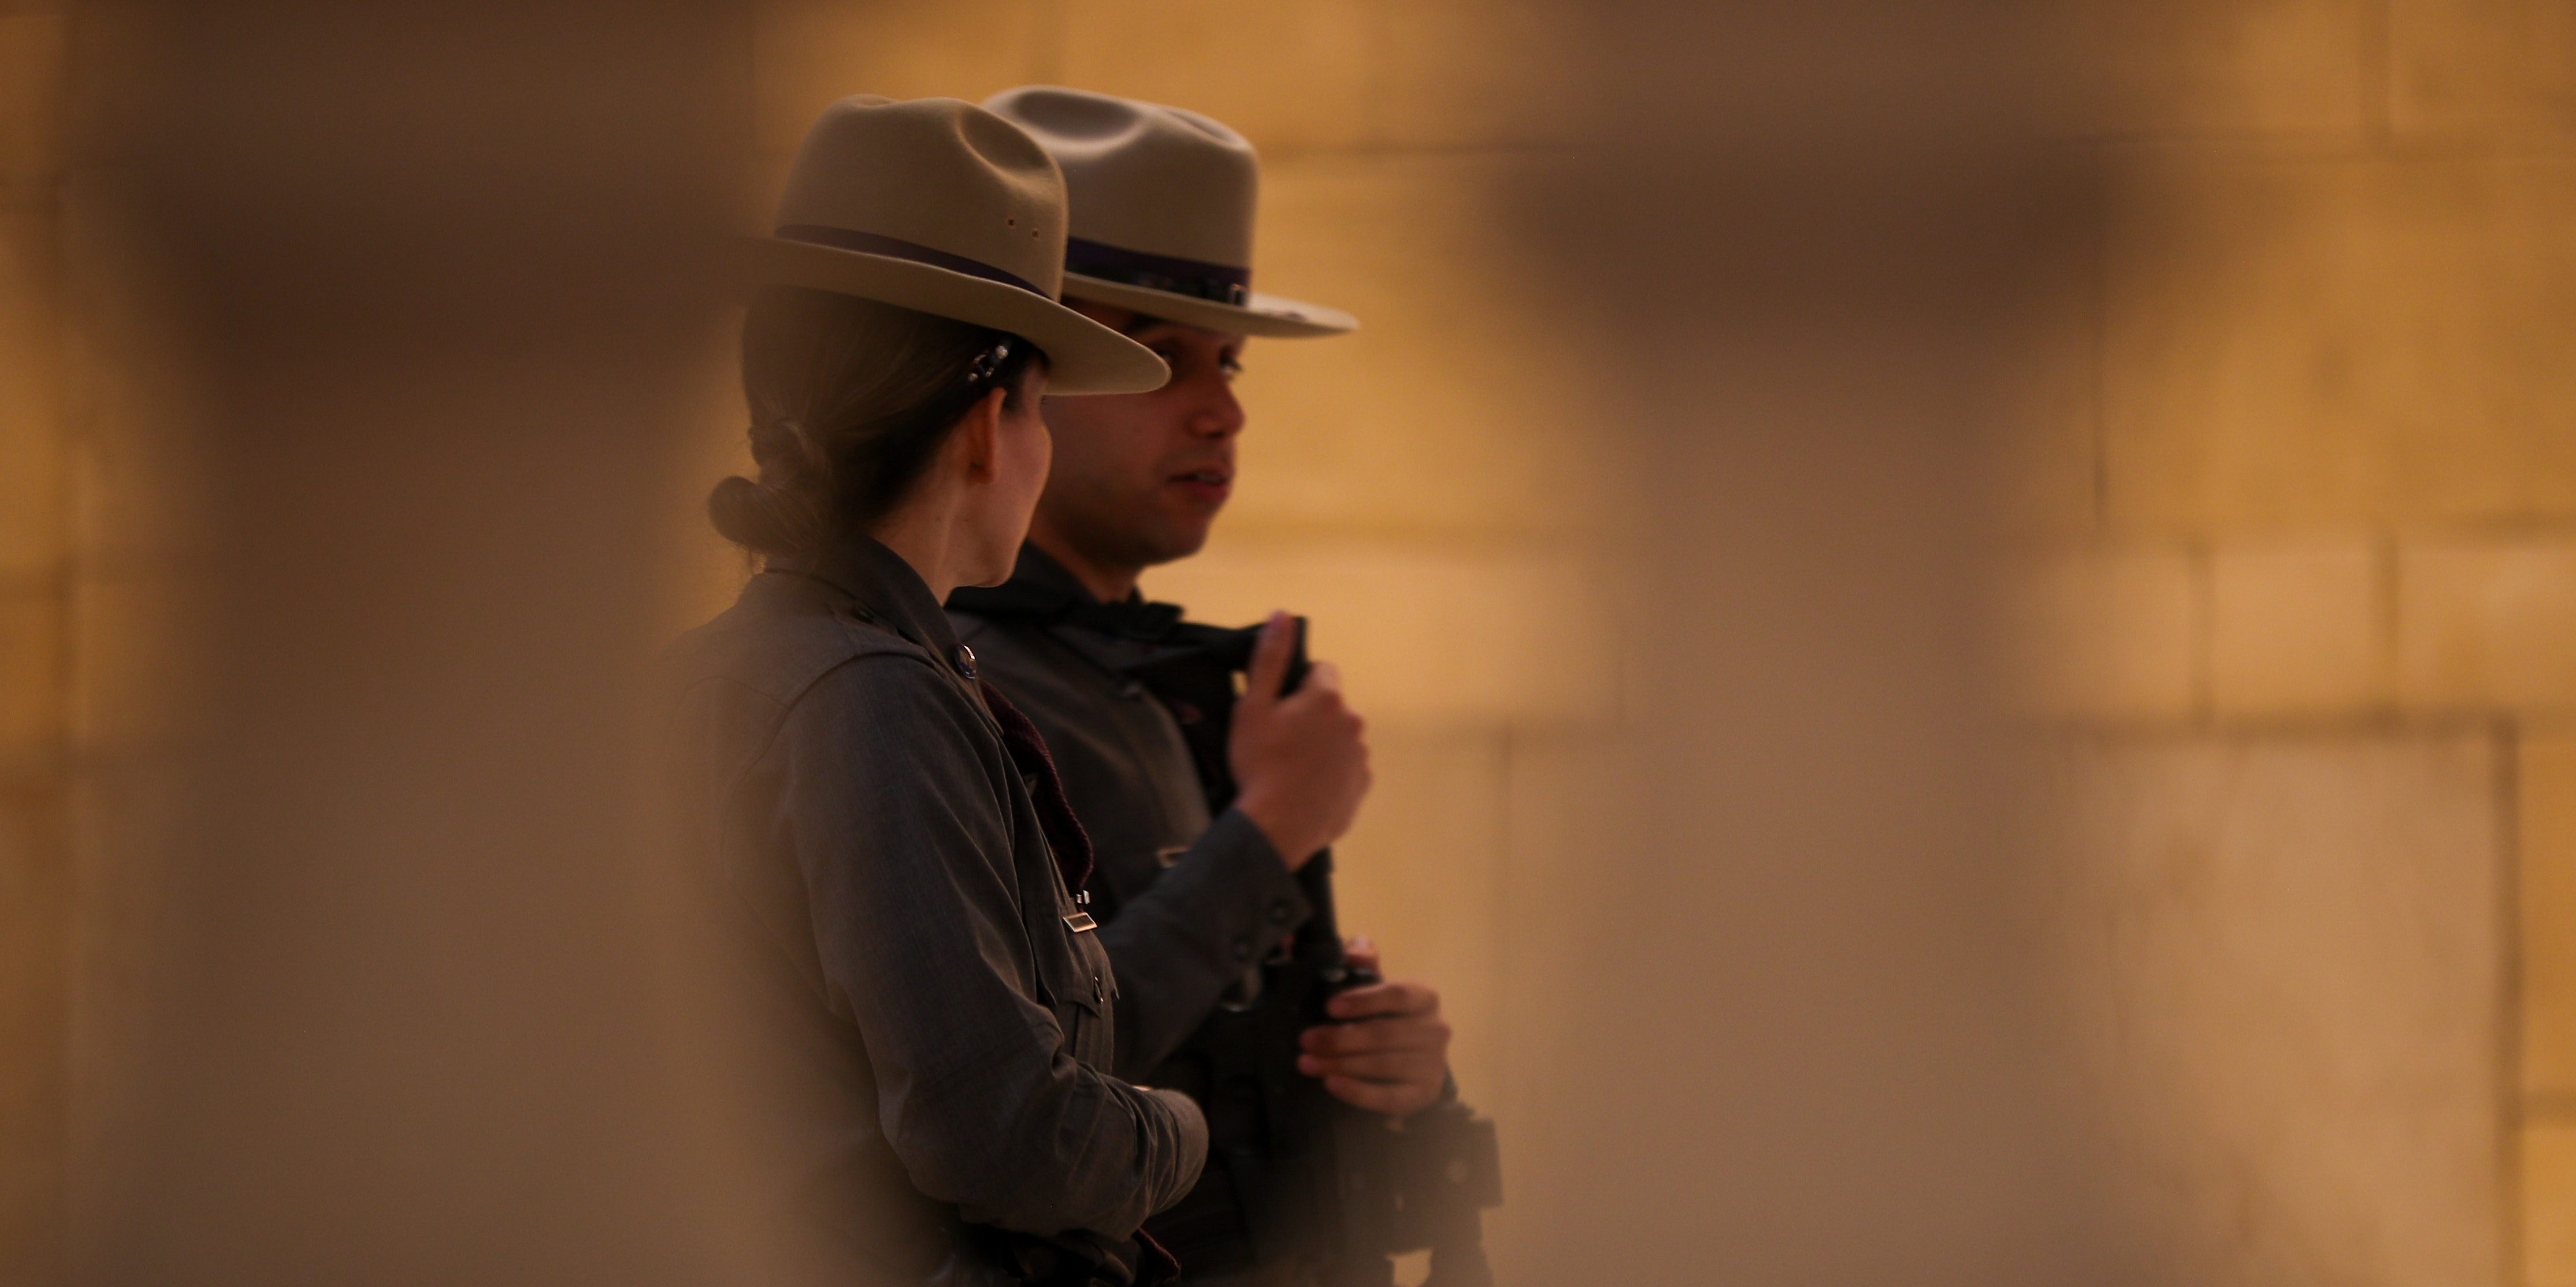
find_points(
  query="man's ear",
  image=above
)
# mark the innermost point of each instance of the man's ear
(979, 438)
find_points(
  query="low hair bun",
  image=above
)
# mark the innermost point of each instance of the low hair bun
(763, 518)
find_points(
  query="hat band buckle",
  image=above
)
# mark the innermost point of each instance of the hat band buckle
(1170, 274)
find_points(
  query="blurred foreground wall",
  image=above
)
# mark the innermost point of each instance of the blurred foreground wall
(37, 606)
(1719, 363)
(333, 411)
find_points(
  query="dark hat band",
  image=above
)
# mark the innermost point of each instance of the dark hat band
(1167, 273)
(869, 243)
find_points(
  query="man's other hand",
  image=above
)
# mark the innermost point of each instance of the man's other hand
(1391, 1052)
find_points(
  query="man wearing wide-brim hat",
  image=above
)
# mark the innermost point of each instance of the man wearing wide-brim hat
(1160, 249)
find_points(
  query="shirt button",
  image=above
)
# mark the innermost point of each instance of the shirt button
(965, 661)
(1279, 912)
(1099, 990)
(1243, 947)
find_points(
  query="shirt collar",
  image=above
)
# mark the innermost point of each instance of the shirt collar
(885, 589)
(1042, 591)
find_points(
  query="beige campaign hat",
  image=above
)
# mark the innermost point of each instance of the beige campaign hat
(940, 206)
(1162, 211)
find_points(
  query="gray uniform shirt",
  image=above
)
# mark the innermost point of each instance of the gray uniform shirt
(951, 1029)
(1188, 903)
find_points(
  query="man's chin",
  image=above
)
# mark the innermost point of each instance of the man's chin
(1175, 546)
(1147, 538)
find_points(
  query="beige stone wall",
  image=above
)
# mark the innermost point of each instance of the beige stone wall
(2313, 599)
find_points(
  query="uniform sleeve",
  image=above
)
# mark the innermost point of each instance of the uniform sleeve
(896, 814)
(1223, 904)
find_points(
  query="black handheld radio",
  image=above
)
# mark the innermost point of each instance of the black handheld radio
(1294, 1173)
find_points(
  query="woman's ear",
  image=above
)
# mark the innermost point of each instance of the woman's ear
(979, 438)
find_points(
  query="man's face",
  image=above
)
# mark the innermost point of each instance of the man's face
(1139, 477)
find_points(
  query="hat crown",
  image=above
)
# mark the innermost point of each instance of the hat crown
(939, 173)
(1142, 176)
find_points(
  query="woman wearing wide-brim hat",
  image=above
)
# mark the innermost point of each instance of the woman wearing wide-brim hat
(890, 837)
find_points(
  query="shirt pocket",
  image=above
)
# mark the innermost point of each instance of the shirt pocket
(1074, 970)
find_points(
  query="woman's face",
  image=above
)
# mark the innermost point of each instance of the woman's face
(1023, 451)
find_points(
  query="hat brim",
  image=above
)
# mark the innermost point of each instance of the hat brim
(1082, 355)
(1265, 315)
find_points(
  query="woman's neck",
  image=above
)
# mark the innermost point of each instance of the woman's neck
(925, 535)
